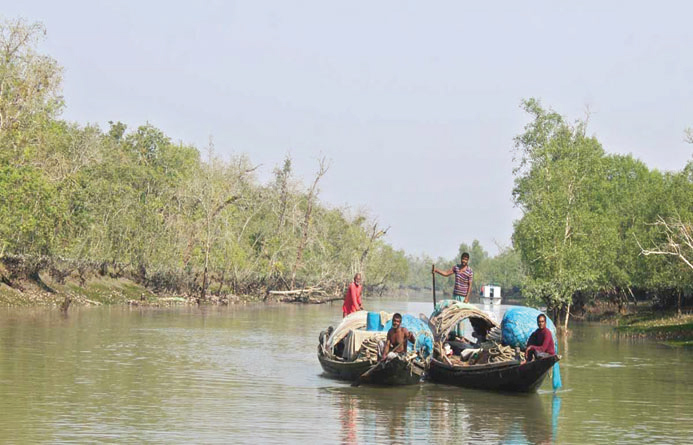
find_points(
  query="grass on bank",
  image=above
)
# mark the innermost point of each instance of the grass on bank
(95, 291)
(98, 290)
(669, 327)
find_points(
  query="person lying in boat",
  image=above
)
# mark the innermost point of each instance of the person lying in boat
(540, 343)
(397, 337)
(459, 344)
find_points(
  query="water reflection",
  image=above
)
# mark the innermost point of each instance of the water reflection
(517, 419)
(443, 414)
(377, 414)
(555, 413)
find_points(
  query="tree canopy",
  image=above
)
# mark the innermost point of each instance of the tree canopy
(583, 214)
(176, 218)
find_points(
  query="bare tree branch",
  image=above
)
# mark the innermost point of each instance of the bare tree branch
(323, 167)
(679, 240)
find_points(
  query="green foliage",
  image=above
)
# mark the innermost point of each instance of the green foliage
(30, 211)
(584, 213)
(30, 92)
(135, 199)
(565, 226)
(139, 201)
(504, 269)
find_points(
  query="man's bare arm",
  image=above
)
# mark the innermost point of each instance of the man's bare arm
(408, 336)
(412, 338)
(445, 273)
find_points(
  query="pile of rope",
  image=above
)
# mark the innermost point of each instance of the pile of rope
(369, 349)
(500, 353)
(495, 334)
(489, 352)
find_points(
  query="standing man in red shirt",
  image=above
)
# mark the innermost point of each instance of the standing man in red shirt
(352, 299)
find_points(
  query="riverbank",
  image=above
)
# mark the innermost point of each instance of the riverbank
(672, 329)
(99, 291)
(644, 321)
(46, 281)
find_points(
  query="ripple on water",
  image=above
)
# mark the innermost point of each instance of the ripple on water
(611, 365)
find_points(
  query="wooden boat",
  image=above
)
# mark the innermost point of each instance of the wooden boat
(503, 376)
(348, 353)
(504, 372)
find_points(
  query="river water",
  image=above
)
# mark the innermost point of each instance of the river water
(251, 375)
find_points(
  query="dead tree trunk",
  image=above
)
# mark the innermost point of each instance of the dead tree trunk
(375, 234)
(306, 221)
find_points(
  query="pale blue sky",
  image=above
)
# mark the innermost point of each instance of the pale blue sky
(415, 104)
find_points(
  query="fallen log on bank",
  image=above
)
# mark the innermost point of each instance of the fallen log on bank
(310, 290)
(311, 295)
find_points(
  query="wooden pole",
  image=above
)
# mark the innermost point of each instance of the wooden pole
(433, 272)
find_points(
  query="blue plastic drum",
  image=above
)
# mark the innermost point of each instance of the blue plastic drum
(373, 322)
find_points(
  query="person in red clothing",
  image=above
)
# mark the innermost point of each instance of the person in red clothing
(541, 341)
(352, 299)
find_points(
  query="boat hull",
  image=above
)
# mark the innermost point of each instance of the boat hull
(505, 376)
(343, 370)
(392, 373)
(398, 372)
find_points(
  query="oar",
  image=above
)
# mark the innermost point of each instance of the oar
(366, 374)
(433, 272)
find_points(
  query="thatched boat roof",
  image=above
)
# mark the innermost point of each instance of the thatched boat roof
(449, 313)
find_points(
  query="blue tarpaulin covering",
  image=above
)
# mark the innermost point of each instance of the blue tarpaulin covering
(519, 323)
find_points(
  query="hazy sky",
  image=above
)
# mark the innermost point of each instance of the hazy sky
(415, 104)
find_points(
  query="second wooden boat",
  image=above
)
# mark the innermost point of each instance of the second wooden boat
(491, 366)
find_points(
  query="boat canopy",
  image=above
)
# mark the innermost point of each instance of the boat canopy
(449, 313)
(355, 320)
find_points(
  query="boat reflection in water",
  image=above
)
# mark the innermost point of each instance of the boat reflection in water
(478, 416)
(441, 414)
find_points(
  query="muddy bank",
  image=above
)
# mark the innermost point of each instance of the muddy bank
(670, 328)
(31, 281)
(123, 291)
(99, 291)
(646, 321)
